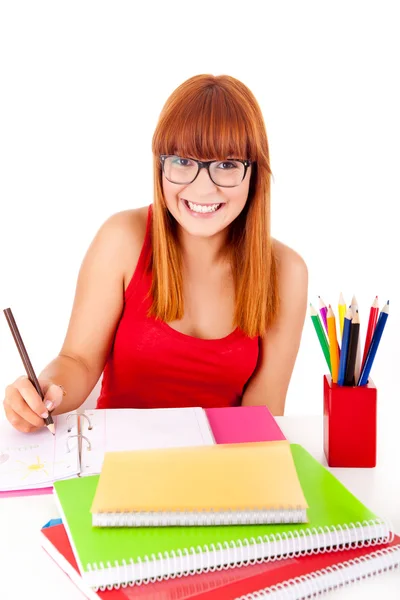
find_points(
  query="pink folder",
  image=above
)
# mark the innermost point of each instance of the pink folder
(30, 492)
(239, 424)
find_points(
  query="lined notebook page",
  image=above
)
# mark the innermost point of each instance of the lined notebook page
(140, 429)
(35, 460)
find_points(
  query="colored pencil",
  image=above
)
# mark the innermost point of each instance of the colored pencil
(323, 309)
(341, 313)
(333, 343)
(345, 345)
(373, 318)
(349, 378)
(321, 335)
(357, 366)
(376, 338)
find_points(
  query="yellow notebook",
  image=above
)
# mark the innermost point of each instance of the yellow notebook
(225, 484)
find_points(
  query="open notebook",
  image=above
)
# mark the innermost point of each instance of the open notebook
(36, 460)
(288, 579)
(119, 555)
(253, 482)
(31, 462)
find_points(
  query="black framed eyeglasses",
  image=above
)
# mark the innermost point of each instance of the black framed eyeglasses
(224, 173)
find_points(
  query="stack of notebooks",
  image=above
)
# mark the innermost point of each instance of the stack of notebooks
(219, 531)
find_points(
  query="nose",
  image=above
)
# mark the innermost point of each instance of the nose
(203, 180)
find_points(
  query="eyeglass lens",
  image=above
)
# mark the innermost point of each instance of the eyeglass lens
(184, 170)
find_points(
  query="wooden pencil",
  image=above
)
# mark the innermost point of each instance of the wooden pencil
(321, 335)
(357, 366)
(333, 344)
(373, 318)
(341, 313)
(349, 378)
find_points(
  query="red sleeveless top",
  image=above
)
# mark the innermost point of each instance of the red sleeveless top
(151, 365)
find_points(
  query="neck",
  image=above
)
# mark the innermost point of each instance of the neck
(202, 253)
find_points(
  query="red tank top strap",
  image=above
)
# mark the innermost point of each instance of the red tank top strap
(141, 265)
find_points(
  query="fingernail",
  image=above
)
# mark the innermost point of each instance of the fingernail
(44, 415)
(48, 404)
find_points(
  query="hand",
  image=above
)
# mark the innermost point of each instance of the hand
(24, 407)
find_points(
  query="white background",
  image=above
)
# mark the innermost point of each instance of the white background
(82, 86)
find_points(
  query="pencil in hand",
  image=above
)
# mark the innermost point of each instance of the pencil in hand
(27, 363)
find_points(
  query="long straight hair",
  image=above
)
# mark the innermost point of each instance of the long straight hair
(214, 117)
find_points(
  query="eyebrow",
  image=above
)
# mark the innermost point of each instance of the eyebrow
(176, 153)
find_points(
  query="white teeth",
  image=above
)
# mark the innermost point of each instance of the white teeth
(203, 209)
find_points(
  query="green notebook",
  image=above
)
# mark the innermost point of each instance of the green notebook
(111, 556)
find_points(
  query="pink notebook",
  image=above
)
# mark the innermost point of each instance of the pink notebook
(240, 424)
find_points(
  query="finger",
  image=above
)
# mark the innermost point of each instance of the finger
(53, 396)
(18, 422)
(18, 404)
(31, 397)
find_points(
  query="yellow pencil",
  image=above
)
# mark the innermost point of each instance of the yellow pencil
(342, 311)
(333, 344)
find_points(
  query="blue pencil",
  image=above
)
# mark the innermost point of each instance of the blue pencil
(376, 338)
(345, 345)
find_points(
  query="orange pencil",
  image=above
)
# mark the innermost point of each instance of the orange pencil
(333, 344)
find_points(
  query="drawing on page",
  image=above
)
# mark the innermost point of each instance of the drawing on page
(37, 467)
(33, 468)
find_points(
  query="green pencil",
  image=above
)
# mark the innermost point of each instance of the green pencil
(321, 335)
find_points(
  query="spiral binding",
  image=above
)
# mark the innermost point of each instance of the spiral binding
(203, 517)
(82, 437)
(79, 415)
(329, 579)
(79, 435)
(201, 559)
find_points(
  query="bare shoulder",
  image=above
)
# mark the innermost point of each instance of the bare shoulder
(125, 231)
(291, 267)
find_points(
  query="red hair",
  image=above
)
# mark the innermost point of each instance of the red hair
(214, 117)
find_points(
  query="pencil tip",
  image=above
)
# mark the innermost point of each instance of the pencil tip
(51, 428)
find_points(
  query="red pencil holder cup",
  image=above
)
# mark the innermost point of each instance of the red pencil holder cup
(350, 424)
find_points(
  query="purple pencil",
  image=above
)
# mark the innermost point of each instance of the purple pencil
(323, 309)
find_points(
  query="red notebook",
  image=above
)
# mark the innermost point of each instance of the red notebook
(320, 571)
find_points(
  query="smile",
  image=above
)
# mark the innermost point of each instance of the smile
(202, 209)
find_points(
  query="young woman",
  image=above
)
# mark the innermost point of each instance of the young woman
(188, 301)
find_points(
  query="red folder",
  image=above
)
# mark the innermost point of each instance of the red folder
(217, 585)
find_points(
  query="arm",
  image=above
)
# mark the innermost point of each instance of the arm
(96, 310)
(279, 347)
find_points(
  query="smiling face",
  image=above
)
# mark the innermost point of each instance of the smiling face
(211, 208)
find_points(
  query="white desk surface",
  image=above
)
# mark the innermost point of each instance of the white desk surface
(27, 571)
